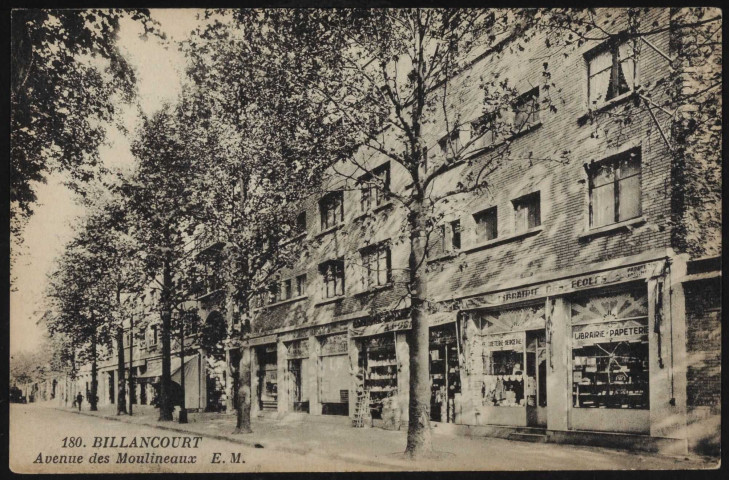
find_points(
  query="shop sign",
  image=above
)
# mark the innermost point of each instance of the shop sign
(262, 340)
(381, 328)
(505, 341)
(627, 331)
(441, 318)
(298, 349)
(334, 345)
(569, 285)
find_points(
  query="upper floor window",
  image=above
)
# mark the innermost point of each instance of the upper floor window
(301, 285)
(450, 236)
(615, 189)
(154, 335)
(526, 110)
(610, 71)
(527, 212)
(332, 209)
(484, 130)
(377, 263)
(286, 292)
(486, 224)
(450, 144)
(301, 222)
(375, 186)
(332, 273)
(273, 293)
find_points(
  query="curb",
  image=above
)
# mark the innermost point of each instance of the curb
(240, 441)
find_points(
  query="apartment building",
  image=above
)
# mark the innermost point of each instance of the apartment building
(561, 299)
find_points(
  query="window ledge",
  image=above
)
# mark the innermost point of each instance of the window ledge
(288, 241)
(495, 145)
(614, 227)
(327, 301)
(329, 230)
(372, 211)
(283, 302)
(501, 240)
(445, 256)
(375, 289)
(608, 105)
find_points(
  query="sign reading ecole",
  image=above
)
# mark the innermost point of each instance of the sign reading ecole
(569, 285)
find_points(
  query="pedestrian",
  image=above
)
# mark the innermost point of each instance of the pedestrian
(79, 399)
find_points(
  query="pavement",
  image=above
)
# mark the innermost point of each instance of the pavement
(334, 438)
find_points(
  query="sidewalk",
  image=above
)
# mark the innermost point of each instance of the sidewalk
(333, 437)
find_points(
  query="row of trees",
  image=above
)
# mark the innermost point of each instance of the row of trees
(275, 102)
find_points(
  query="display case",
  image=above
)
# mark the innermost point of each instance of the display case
(379, 362)
(611, 375)
(445, 378)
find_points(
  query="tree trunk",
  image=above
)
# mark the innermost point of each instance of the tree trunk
(121, 394)
(93, 394)
(165, 390)
(419, 440)
(243, 400)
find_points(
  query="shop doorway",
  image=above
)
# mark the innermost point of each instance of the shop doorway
(267, 378)
(334, 376)
(536, 378)
(445, 381)
(298, 387)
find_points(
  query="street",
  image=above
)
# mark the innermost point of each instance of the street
(289, 446)
(37, 430)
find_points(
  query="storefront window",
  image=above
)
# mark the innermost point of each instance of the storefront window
(503, 368)
(610, 352)
(513, 357)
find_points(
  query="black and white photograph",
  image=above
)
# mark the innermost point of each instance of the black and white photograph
(252, 240)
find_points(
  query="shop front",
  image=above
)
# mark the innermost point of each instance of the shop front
(513, 391)
(297, 378)
(445, 381)
(334, 377)
(267, 376)
(610, 362)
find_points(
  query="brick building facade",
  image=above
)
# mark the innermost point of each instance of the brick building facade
(560, 298)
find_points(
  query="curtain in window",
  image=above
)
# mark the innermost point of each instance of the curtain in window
(333, 378)
(627, 63)
(600, 69)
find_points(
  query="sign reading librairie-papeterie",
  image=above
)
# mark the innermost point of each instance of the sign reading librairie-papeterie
(627, 331)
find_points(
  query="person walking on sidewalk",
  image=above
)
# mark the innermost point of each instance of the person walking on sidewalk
(79, 399)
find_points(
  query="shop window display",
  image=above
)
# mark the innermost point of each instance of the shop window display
(504, 380)
(610, 352)
(378, 361)
(445, 382)
(611, 375)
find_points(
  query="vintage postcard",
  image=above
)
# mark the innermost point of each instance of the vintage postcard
(314, 240)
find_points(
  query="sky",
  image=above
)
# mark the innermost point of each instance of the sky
(159, 72)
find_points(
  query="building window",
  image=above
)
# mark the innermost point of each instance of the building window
(484, 131)
(155, 335)
(527, 213)
(615, 189)
(273, 293)
(332, 209)
(301, 285)
(486, 224)
(450, 236)
(450, 144)
(377, 264)
(611, 71)
(332, 273)
(286, 289)
(526, 110)
(374, 187)
(301, 222)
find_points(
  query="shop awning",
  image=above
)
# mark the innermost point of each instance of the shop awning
(381, 328)
(153, 374)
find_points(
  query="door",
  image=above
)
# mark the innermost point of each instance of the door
(535, 387)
